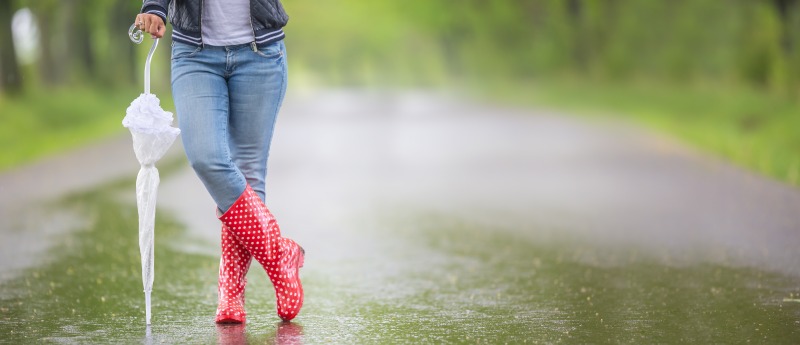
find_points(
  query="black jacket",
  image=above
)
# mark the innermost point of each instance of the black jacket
(267, 18)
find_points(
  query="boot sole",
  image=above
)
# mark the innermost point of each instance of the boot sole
(229, 321)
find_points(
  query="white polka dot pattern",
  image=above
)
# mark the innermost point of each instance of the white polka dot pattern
(256, 229)
(233, 266)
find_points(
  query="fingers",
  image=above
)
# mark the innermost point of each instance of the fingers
(151, 24)
(138, 21)
(141, 20)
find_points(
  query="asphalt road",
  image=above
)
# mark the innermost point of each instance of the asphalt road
(428, 217)
(343, 154)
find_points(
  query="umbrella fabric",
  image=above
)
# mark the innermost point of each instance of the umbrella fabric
(152, 134)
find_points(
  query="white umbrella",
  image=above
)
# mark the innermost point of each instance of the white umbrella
(152, 134)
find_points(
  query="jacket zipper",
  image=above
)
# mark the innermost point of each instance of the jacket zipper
(252, 28)
(200, 25)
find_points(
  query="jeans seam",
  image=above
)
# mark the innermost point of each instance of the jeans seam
(226, 136)
(278, 104)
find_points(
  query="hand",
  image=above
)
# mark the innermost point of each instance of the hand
(151, 24)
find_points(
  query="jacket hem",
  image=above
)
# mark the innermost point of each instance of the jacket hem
(263, 37)
(186, 37)
(266, 36)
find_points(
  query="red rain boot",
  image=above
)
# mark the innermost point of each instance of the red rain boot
(233, 266)
(256, 229)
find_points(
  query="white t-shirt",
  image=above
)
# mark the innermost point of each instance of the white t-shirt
(226, 22)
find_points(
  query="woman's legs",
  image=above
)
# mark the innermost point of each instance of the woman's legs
(256, 88)
(201, 94)
(227, 100)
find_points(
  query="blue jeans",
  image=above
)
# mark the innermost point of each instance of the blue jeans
(227, 100)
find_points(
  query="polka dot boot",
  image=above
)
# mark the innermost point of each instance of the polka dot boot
(233, 266)
(255, 227)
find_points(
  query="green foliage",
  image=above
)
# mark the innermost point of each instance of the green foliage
(741, 41)
(762, 63)
(83, 81)
(433, 42)
(42, 122)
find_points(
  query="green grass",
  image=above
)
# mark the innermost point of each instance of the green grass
(45, 122)
(751, 128)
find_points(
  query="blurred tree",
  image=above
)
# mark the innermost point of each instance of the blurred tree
(11, 82)
(120, 49)
(80, 57)
(580, 53)
(51, 47)
(763, 60)
(787, 12)
(85, 41)
(784, 8)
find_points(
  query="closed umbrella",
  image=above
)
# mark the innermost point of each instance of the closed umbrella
(152, 134)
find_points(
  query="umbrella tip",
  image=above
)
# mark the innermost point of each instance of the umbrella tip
(147, 306)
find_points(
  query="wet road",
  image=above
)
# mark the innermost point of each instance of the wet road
(426, 218)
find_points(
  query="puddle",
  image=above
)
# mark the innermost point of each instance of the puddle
(498, 287)
(32, 233)
(420, 279)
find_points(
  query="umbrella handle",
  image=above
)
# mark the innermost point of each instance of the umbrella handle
(135, 34)
(137, 37)
(147, 67)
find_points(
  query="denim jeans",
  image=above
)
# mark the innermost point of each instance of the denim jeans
(227, 100)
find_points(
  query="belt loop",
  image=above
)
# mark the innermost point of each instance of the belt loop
(253, 45)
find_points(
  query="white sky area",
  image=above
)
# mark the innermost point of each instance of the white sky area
(26, 36)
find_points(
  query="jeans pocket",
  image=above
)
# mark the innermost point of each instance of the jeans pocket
(182, 50)
(272, 51)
